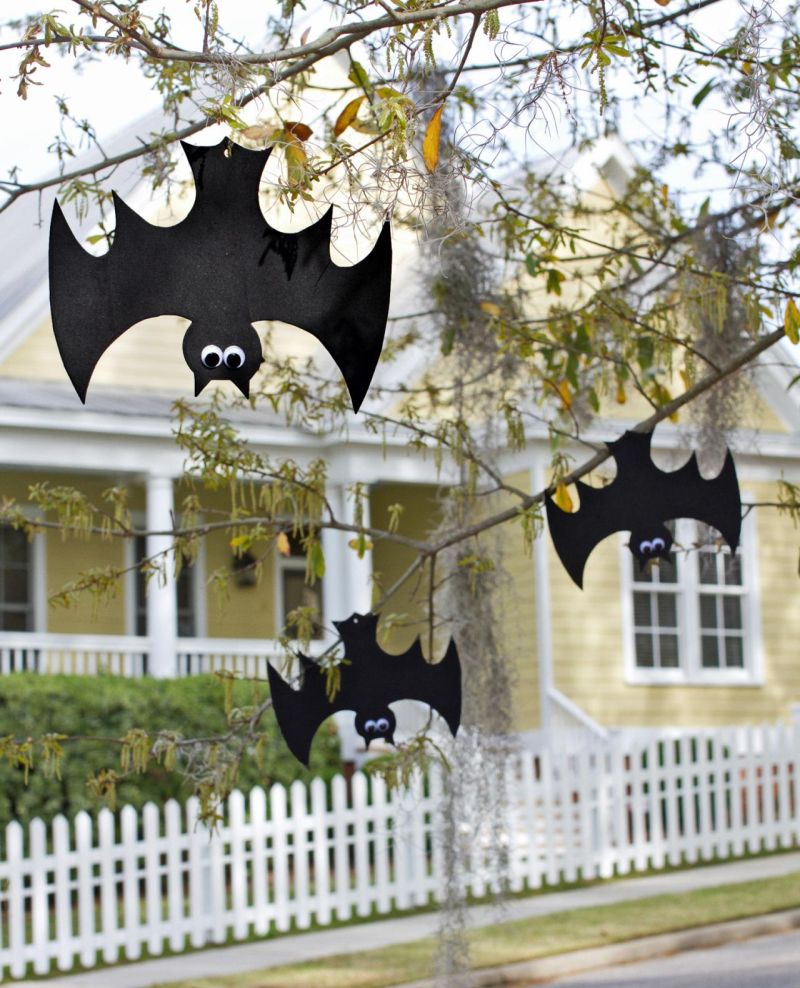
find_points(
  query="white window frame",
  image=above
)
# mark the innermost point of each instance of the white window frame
(37, 577)
(690, 670)
(199, 584)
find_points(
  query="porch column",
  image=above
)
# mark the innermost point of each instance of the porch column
(162, 601)
(346, 588)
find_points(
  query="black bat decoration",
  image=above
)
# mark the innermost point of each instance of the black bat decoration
(640, 499)
(371, 679)
(223, 267)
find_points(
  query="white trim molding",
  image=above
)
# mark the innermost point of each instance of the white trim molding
(690, 670)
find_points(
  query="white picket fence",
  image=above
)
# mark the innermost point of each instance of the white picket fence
(130, 883)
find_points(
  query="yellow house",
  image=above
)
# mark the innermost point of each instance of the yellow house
(707, 641)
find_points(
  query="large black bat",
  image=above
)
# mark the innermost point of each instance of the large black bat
(223, 267)
(639, 500)
(371, 679)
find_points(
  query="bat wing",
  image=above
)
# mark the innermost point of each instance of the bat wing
(409, 677)
(94, 300)
(717, 501)
(576, 533)
(300, 712)
(345, 308)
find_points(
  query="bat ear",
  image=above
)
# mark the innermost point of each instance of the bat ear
(199, 384)
(243, 386)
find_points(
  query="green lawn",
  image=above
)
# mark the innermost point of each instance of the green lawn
(528, 939)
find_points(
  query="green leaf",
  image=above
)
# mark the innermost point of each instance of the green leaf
(358, 76)
(554, 279)
(317, 561)
(701, 94)
(791, 321)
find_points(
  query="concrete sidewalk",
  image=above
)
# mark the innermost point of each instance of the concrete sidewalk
(384, 933)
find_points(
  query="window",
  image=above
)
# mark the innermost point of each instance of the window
(16, 580)
(187, 588)
(693, 618)
(293, 591)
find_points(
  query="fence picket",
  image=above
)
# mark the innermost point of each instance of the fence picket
(300, 847)
(108, 885)
(322, 885)
(238, 869)
(63, 894)
(40, 914)
(259, 872)
(280, 856)
(86, 887)
(151, 820)
(129, 852)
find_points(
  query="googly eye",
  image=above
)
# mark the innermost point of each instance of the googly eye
(233, 357)
(659, 545)
(383, 725)
(370, 726)
(211, 356)
(646, 547)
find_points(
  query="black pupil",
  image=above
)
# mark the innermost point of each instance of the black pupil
(234, 360)
(211, 359)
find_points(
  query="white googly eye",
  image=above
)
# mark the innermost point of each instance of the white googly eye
(382, 725)
(211, 356)
(233, 357)
(659, 545)
(645, 547)
(370, 726)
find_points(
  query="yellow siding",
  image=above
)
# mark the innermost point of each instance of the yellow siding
(389, 560)
(241, 612)
(518, 617)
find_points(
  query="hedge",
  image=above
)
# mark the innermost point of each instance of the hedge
(32, 705)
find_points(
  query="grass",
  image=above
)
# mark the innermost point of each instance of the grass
(528, 939)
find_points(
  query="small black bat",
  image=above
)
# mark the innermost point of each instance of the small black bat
(371, 679)
(223, 267)
(639, 500)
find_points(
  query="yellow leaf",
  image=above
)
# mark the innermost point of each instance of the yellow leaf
(662, 3)
(348, 115)
(791, 321)
(621, 396)
(430, 145)
(562, 498)
(565, 392)
(282, 544)
(296, 161)
(490, 308)
(299, 130)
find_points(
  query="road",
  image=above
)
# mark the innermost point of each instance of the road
(766, 962)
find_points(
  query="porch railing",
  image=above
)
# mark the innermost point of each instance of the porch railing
(127, 655)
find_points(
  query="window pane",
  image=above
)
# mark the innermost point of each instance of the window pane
(644, 651)
(734, 653)
(710, 652)
(669, 651)
(641, 610)
(667, 569)
(733, 569)
(707, 562)
(14, 546)
(667, 611)
(15, 621)
(732, 612)
(708, 611)
(15, 586)
(297, 593)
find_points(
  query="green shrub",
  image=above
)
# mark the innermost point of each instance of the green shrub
(32, 705)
